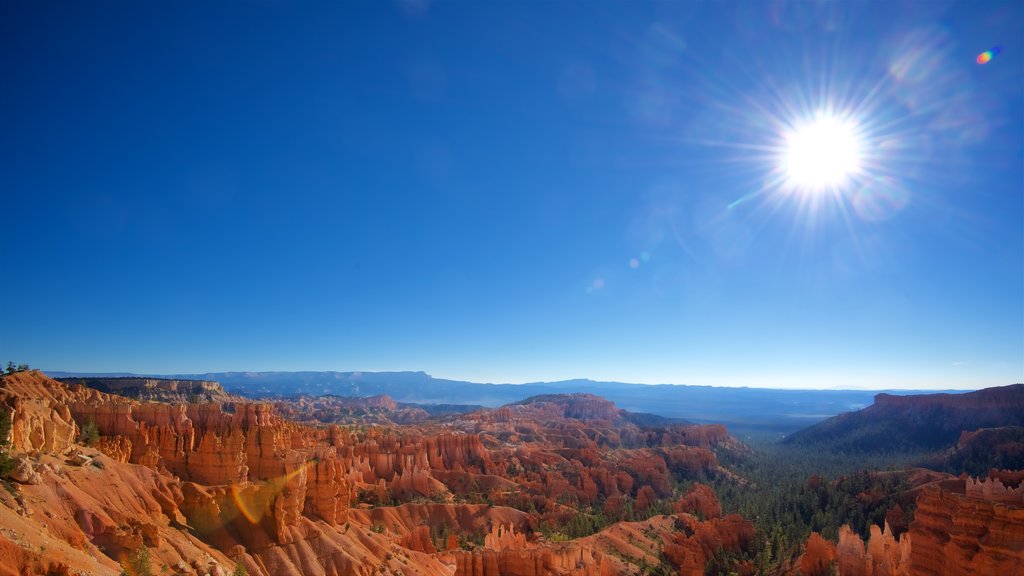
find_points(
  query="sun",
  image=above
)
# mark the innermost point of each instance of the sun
(823, 154)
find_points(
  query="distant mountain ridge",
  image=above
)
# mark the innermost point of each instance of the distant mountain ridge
(921, 422)
(760, 411)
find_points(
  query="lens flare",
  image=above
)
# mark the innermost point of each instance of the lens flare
(987, 56)
(255, 500)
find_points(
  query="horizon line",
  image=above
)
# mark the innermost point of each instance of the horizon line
(522, 383)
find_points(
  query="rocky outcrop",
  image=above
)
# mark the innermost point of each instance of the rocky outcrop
(418, 539)
(87, 517)
(577, 406)
(380, 409)
(622, 548)
(993, 490)
(696, 542)
(467, 519)
(884, 555)
(961, 531)
(699, 500)
(819, 556)
(501, 538)
(543, 561)
(40, 418)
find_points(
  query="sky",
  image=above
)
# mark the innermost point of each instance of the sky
(515, 191)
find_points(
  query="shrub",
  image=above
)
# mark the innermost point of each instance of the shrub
(90, 432)
(139, 564)
(6, 462)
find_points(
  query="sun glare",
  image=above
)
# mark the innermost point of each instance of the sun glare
(822, 154)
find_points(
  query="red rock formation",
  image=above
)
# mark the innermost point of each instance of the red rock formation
(961, 531)
(41, 419)
(896, 520)
(461, 518)
(993, 490)
(577, 406)
(819, 554)
(562, 560)
(419, 540)
(961, 526)
(116, 447)
(619, 549)
(884, 555)
(237, 482)
(501, 538)
(850, 554)
(701, 500)
(696, 542)
(645, 498)
(889, 556)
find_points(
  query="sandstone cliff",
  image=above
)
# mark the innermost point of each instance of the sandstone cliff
(968, 527)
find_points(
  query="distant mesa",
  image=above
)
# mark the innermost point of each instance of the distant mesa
(578, 406)
(924, 422)
(156, 389)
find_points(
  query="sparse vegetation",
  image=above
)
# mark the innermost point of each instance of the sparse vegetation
(139, 564)
(90, 433)
(6, 462)
(11, 368)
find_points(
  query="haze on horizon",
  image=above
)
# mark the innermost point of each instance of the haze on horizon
(783, 194)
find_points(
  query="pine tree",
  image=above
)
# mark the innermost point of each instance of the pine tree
(6, 462)
(90, 432)
(140, 564)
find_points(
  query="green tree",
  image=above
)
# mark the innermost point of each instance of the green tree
(6, 462)
(11, 368)
(90, 432)
(239, 569)
(139, 564)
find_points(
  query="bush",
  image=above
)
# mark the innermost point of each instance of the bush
(90, 432)
(6, 462)
(139, 564)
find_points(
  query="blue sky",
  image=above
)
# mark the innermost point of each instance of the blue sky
(513, 191)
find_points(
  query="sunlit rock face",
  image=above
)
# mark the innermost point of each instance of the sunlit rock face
(968, 527)
(818, 556)
(694, 544)
(40, 418)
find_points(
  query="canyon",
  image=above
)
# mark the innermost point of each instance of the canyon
(555, 484)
